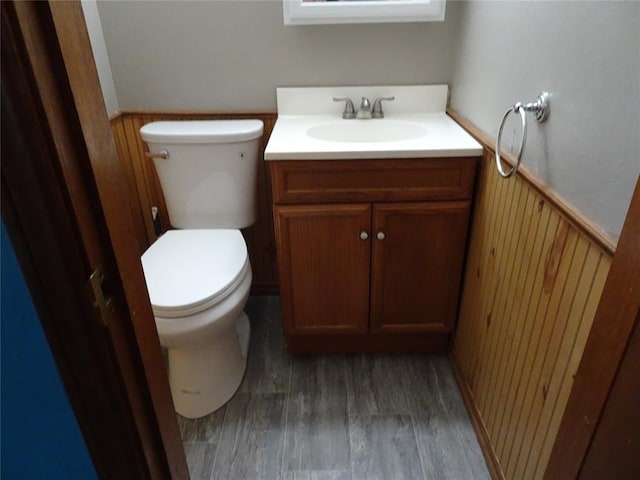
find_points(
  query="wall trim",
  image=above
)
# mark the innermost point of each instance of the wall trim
(115, 117)
(479, 427)
(575, 218)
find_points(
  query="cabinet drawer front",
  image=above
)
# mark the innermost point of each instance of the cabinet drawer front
(321, 181)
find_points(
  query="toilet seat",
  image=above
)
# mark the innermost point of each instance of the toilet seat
(188, 271)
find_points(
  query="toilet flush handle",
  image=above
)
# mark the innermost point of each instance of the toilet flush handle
(164, 154)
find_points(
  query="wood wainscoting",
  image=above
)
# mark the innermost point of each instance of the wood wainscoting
(535, 273)
(144, 190)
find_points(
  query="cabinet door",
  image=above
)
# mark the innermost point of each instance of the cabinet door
(418, 252)
(324, 267)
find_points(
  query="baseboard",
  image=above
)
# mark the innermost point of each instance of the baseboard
(265, 289)
(495, 470)
(357, 343)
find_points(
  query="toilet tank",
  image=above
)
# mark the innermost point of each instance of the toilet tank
(209, 178)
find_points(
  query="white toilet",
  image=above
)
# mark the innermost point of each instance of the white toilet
(199, 276)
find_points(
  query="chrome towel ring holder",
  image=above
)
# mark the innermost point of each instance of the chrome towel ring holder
(540, 108)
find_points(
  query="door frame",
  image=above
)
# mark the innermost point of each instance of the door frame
(65, 210)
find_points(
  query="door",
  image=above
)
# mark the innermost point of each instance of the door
(613, 452)
(323, 253)
(418, 251)
(66, 214)
(57, 451)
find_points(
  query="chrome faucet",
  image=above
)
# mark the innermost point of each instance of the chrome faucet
(365, 111)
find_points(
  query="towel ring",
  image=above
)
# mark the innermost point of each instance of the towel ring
(540, 107)
(517, 108)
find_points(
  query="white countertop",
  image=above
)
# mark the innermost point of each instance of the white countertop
(303, 109)
(445, 138)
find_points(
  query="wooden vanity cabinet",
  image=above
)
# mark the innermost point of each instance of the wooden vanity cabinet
(370, 252)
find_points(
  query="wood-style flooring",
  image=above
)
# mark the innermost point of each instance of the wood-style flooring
(334, 417)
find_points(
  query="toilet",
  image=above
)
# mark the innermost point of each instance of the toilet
(198, 274)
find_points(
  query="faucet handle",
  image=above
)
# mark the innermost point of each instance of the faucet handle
(349, 109)
(377, 106)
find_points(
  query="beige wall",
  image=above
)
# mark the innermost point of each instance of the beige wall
(587, 54)
(231, 55)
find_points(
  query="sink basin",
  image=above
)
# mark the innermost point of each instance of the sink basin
(361, 131)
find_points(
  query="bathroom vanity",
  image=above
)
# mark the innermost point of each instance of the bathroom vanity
(371, 235)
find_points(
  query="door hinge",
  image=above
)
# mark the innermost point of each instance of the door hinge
(101, 302)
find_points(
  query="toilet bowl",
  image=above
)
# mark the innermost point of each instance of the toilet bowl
(199, 276)
(198, 283)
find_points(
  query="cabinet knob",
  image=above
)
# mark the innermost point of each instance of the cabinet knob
(380, 235)
(364, 235)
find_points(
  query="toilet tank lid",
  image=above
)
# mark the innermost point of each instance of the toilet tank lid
(202, 131)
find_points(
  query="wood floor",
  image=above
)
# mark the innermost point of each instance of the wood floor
(334, 417)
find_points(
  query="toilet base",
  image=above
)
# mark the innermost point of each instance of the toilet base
(204, 379)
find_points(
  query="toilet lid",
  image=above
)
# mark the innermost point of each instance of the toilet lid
(188, 271)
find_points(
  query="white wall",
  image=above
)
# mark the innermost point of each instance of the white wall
(96, 37)
(231, 55)
(587, 54)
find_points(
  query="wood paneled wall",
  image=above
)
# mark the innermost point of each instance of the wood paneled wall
(144, 190)
(532, 285)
